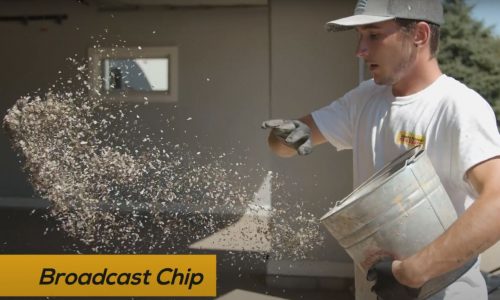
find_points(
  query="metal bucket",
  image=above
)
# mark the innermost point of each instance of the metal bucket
(395, 213)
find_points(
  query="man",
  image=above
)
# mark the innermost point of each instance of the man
(410, 102)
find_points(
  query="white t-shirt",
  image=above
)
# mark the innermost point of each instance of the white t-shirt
(456, 125)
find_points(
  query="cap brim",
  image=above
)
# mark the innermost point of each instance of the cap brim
(356, 20)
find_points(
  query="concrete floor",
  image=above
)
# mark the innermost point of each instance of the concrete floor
(240, 276)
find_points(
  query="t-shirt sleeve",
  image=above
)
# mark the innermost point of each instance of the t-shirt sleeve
(335, 121)
(475, 134)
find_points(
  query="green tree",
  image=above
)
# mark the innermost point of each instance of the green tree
(470, 52)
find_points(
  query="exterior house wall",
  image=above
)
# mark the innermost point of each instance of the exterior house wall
(238, 66)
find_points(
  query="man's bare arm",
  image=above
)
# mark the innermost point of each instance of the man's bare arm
(477, 229)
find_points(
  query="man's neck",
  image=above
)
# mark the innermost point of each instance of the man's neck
(418, 78)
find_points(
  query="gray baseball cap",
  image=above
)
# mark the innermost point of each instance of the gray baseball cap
(374, 11)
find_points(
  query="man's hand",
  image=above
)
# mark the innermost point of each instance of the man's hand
(386, 286)
(292, 133)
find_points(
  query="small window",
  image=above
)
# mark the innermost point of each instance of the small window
(135, 74)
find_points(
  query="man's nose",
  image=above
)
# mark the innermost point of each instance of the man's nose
(362, 49)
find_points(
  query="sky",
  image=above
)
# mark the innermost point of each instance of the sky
(488, 11)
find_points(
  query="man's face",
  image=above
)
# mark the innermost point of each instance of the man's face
(387, 50)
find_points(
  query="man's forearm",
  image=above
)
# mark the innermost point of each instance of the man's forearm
(475, 231)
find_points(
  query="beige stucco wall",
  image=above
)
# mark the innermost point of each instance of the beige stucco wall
(263, 62)
(310, 68)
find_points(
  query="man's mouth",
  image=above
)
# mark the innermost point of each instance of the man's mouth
(372, 67)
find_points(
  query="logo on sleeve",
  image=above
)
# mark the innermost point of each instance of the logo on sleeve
(409, 139)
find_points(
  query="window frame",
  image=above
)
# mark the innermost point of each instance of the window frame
(98, 54)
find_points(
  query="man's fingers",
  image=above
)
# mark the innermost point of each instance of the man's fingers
(272, 123)
(279, 124)
(293, 133)
(372, 275)
(384, 266)
(386, 285)
(296, 136)
(305, 148)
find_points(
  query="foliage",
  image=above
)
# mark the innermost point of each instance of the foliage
(470, 52)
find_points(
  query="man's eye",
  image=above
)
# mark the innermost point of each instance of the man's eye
(373, 36)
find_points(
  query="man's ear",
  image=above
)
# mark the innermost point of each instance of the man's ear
(422, 34)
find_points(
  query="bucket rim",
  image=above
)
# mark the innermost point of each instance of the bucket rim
(410, 156)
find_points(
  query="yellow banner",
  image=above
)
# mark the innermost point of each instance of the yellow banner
(108, 275)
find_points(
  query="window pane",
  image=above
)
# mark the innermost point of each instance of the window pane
(145, 74)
